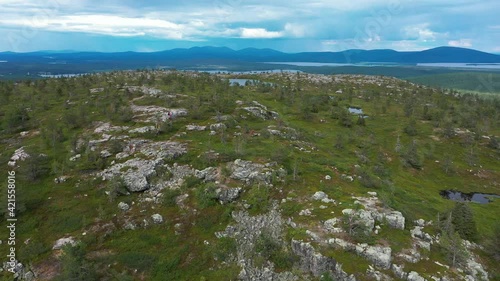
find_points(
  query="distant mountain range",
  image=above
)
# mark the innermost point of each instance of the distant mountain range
(206, 54)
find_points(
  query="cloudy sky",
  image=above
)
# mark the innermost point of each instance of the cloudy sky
(286, 25)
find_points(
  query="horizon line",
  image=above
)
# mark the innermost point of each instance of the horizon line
(225, 47)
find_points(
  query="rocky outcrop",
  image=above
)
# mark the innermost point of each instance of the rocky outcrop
(330, 225)
(207, 174)
(228, 195)
(261, 111)
(250, 172)
(475, 270)
(380, 256)
(218, 127)
(59, 244)
(265, 274)
(323, 197)
(377, 275)
(246, 231)
(394, 219)
(137, 172)
(106, 127)
(414, 276)
(195, 128)
(134, 172)
(362, 217)
(154, 114)
(316, 263)
(19, 155)
(145, 90)
(142, 130)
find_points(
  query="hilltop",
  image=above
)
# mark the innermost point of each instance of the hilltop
(170, 175)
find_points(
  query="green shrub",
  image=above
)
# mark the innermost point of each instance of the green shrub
(137, 260)
(206, 196)
(259, 200)
(74, 266)
(169, 196)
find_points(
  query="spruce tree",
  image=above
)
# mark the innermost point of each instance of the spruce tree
(463, 221)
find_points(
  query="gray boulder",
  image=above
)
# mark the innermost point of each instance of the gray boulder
(123, 206)
(157, 218)
(226, 196)
(414, 276)
(208, 174)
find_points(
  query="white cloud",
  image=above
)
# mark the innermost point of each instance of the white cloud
(460, 43)
(420, 32)
(259, 33)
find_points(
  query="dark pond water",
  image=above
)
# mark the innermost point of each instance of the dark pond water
(476, 197)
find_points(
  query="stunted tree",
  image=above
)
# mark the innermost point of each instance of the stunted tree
(74, 265)
(411, 157)
(411, 128)
(454, 248)
(463, 221)
(451, 242)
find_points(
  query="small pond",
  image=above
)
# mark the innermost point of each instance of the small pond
(356, 110)
(476, 197)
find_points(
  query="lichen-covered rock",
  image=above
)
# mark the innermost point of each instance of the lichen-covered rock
(362, 216)
(19, 155)
(142, 130)
(395, 219)
(417, 232)
(399, 272)
(228, 195)
(250, 273)
(475, 269)
(377, 275)
(105, 153)
(249, 172)
(157, 218)
(330, 225)
(319, 195)
(380, 256)
(218, 127)
(123, 206)
(59, 244)
(414, 276)
(195, 128)
(136, 172)
(207, 174)
(316, 263)
(261, 111)
(305, 212)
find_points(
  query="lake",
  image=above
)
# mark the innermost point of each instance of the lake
(463, 65)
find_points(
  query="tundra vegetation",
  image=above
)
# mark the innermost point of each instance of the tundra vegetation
(166, 175)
